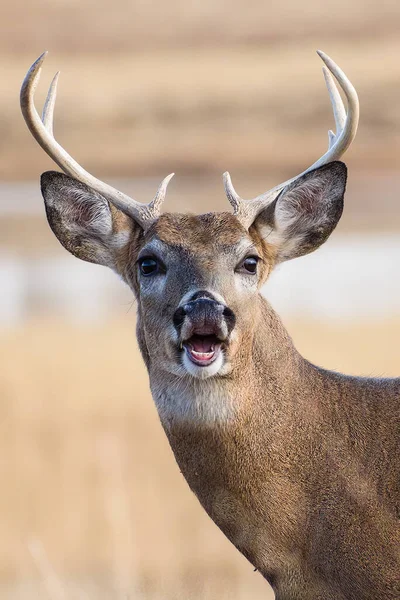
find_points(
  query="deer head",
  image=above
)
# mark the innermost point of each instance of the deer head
(196, 278)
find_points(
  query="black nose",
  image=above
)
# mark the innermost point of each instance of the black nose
(205, 313)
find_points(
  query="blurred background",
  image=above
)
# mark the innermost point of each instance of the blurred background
(92, 505)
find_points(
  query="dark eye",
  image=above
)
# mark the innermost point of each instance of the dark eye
(148, 266)
(250, 264)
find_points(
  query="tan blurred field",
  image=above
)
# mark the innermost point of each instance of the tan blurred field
(89, 483)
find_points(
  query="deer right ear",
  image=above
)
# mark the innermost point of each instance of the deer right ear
(306, 212)
(83, 220)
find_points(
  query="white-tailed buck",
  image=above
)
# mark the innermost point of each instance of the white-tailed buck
(297, 465)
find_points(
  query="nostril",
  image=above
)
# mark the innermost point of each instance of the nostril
(179, 316)
(229, 318)
(228, 313)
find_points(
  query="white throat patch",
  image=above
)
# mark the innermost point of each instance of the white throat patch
(192, 401)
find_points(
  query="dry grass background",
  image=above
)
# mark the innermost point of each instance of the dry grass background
(92, 505)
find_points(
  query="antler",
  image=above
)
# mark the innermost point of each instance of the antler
(42, 131)
(346, 128)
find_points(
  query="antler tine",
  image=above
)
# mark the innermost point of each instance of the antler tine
(48, 108)
(42, 131)
(158, 199)
(339, 111)
(331, 138)
(346, 129)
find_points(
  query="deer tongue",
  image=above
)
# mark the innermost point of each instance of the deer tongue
(202, 345)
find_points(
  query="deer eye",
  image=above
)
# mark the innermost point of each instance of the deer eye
(250, 264)
(148, 266)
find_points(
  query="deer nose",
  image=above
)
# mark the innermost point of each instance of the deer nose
(204, 315)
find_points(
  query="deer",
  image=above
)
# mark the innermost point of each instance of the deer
(297, 465)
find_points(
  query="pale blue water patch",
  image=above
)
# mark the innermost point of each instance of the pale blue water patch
(62, 286)
(349, 277)
(353, 277)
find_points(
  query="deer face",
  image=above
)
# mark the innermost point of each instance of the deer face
(196, 278)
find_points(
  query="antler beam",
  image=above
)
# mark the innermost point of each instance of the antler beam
(42, 131)
(346, 128)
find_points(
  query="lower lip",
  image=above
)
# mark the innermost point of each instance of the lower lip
(202, 360)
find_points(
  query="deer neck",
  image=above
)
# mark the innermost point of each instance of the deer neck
(227, 435)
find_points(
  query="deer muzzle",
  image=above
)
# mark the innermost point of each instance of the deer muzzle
(204, 326)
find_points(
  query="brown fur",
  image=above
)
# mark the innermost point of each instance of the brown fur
(305, 480)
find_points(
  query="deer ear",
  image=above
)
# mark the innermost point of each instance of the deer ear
(83, 220)
(305, 213)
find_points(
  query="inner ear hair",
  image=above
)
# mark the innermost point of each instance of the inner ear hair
(82, 219)
(306, 212)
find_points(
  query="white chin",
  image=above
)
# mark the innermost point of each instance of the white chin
(203, 372)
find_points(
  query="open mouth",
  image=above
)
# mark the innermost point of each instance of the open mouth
(202, 349)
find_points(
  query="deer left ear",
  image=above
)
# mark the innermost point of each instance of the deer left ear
(83, 221)
(305, 213)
